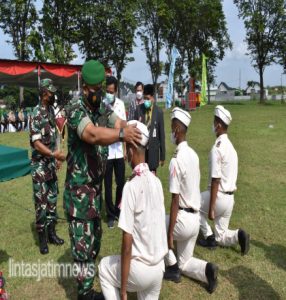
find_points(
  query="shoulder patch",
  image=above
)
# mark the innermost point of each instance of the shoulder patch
(218, 143)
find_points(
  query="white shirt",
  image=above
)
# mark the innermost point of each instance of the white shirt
(116, 150)
(143, 216)
(223, 164)
(185, 176)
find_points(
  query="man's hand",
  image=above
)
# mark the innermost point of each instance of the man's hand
(132, 135)
(211, 214)
(162, 163)
(123, 295)
(170, 241)
(59, 155)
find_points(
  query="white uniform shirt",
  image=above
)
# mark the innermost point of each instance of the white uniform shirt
(223, 164)
(116, 150)
(185, 176)
(143, 216)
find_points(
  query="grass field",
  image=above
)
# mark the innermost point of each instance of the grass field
(260, 208)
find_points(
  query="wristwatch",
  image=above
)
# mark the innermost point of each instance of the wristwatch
(121, 134)
(52, 154)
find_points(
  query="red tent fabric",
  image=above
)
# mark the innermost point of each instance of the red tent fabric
(24, 73)
(19, 68)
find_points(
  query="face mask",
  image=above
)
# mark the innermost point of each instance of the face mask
(139, 95)
(214, 129)
(129, 159)
(94, 98)
(147, 104)
(52, 99)
(173, 138)
(109, 98)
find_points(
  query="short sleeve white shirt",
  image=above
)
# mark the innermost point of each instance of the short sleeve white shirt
(143, 216)
(184, 176)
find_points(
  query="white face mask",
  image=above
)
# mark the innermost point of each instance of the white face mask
(109, 98)
(214, 129)
(173, 138)
(139, 95)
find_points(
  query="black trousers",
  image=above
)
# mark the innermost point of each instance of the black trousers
(118, 165)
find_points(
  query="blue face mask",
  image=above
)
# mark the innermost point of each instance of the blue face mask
(147, 104)
(109, 98)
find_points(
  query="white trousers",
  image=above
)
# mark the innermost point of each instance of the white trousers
(143, 279)
(185, 233)
(223, 210)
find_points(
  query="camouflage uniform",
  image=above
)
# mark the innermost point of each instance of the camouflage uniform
(45, 188)
(82, 196)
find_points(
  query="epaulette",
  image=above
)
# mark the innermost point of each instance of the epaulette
(218, 143)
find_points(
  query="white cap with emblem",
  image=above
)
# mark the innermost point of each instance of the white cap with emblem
(181, 115)
(144, 131)
(223, 114)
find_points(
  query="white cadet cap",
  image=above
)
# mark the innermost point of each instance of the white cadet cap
(181, 115)
(144, 131)
(223, 114)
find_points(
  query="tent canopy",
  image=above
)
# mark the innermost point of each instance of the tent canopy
(28, 74)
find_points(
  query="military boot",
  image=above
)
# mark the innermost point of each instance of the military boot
(43, 242)
(173, 273)
(52, 236)
(91, 295)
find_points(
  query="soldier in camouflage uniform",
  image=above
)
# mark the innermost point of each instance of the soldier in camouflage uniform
(91, 128)
(45, 157)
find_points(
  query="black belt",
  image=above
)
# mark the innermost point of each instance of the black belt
(189, 209)
(228, 193)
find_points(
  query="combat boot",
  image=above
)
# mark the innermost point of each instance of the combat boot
(91, 295)
(52, 236)
(209, 242)
(173, 273)
(243, 240)
(43, 242)
(211, 272)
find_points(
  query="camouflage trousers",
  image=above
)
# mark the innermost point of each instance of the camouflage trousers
(45, 199)
(85, 237)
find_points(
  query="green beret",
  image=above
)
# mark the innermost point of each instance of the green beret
(93, 72)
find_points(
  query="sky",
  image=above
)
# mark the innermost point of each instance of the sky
(234, 63)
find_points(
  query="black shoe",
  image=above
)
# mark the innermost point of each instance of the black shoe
(209, 242)
(43, 242)
(91, 295)
(243, 239)
(110, 224)
(211, 274)
(52, 236)
(173, 273)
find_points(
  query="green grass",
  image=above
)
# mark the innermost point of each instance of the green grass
(260, 208)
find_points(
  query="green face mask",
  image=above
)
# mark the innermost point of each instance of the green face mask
(147, 103)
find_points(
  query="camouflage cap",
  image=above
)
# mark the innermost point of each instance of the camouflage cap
(48, 84)
(93, 72)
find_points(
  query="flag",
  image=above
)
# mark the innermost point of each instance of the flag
(169, 94)
(204, 81)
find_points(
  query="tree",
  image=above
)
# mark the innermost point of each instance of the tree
(264, 22)
(17, 20)
(121, 28)
(56, 33)
(197, 27)
(152, 16)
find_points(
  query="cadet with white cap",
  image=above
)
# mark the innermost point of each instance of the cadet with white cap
(183, 224)
(217, 202)
(144, 242)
